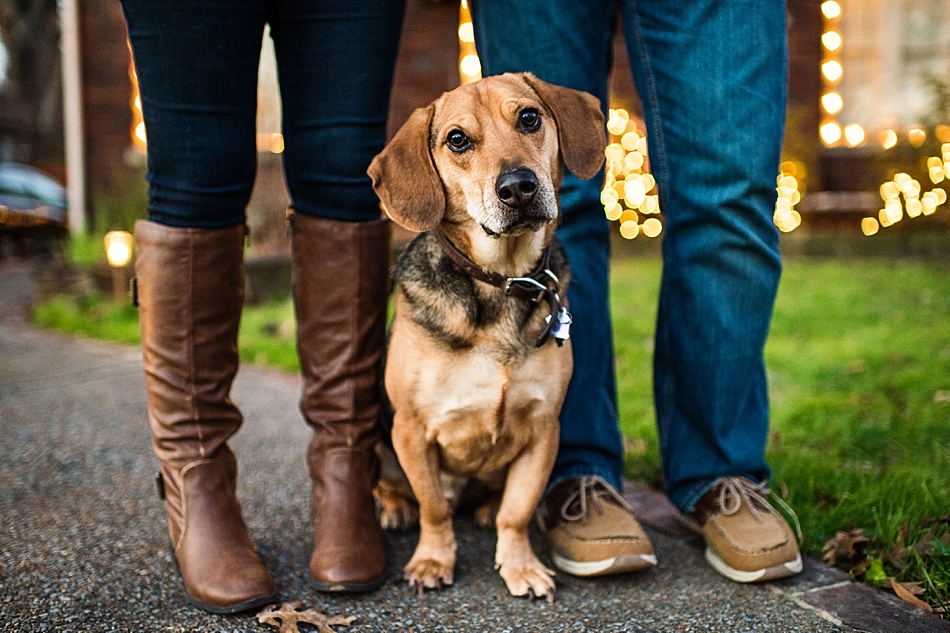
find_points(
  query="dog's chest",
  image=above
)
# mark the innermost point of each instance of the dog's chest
(480, 413)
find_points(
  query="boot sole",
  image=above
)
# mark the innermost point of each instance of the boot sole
(618, 565)
(782, 570)
(247, 605)
(349, 587)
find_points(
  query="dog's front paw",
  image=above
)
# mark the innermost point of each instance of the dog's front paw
(428, 573)
(533, 580)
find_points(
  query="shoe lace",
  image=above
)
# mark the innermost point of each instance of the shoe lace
(590, 487)
(733, 491)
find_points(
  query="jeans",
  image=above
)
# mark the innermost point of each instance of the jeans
(197, 67)
(712, 78)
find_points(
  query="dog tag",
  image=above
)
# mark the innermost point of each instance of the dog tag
(562, 330)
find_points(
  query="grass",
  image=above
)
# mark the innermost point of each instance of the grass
(859, 366)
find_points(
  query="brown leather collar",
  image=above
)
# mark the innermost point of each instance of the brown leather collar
(532, 287)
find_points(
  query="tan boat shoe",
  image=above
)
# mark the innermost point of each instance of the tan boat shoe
(747, 540)
(592, 531)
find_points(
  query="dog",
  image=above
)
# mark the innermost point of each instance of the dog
(479, 355)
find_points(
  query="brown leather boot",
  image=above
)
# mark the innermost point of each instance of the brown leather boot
(341, 288)
(190, 285)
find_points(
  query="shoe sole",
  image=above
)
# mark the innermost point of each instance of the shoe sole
(768, 573)
(617, 565)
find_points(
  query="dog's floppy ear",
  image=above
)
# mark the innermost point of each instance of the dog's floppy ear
(405, 178)
(580, 125)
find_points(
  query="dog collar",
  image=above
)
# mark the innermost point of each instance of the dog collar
(533, 287)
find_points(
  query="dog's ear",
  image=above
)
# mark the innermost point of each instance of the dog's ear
(405, 178)
(580, 125)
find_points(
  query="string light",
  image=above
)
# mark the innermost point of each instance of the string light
(854, 134)
(786, 218)
(138, 136)
(629, 188)
(470, 67)
(831, 71)
(831, 9)
(915, 204)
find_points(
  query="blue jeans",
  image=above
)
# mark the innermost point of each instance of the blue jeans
(712, 78)
(197, 65)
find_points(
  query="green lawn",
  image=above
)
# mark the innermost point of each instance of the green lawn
(859, 366)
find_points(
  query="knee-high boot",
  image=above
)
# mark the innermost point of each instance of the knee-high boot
(340, 288)
(190, 285)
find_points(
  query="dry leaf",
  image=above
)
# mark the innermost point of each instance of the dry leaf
(907, 596)
(848, 542)
(287, 618)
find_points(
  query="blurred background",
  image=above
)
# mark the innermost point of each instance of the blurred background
(867, 138)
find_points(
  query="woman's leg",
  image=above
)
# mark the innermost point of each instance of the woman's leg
(335, 62)
(197, 70)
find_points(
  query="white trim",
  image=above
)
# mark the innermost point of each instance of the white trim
(792, 567)
(627, 563)
(72, 116)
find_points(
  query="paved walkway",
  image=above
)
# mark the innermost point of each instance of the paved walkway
(83, 545)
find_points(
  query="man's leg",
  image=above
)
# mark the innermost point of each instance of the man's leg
(569, 43)
(712, 78)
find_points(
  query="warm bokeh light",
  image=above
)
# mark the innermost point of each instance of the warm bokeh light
(832, 102)
(942, 132)
(831, 40)
(916, 136)
(118, 245)
(914, 207)
(470, 65)
(627, 184)
(629, 229)
(467, 33)
(854, 134)
(888, 139)
(830, 133)
(870, 226)
(651, 227)
(138, 136)
(831, 9)
(832, 70)
(889, 191)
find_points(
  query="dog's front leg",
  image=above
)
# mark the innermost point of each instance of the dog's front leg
(516, 562)
(433, 563)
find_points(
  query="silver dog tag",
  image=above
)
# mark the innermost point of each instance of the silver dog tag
(562, 330)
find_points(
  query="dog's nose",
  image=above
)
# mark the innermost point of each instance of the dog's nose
(517, 187)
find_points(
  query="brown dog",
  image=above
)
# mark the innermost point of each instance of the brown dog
(476, 370)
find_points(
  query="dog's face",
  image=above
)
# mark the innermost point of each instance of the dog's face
(490, 154)
(494, 146)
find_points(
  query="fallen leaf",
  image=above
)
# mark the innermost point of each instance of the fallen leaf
(923, 546)
(287, 618)
(851, 543)
(914, 587)
(905, 595)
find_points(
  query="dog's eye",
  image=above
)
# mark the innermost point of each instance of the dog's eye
(529, 120)
(457, 141)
